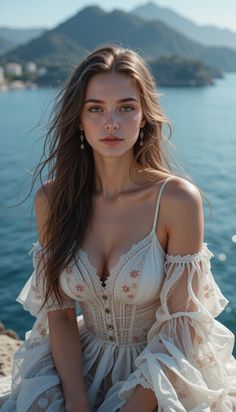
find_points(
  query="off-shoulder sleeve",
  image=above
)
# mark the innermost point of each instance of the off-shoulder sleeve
(188, 360)
(32, 297)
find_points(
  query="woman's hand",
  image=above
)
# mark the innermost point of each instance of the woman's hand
(82, 406)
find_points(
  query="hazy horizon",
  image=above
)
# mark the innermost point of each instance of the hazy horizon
(35, 14)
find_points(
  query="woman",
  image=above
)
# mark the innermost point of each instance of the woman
(121, 234)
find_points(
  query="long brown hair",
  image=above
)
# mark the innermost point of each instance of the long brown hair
(71, 170)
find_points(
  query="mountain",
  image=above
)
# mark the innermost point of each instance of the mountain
(5, 45)
(207, 35)
(52, 49)
(93, 26)
(20, 36)
(67, 43)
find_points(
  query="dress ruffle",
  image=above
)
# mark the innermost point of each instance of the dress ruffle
(32, 296)
(188, 360)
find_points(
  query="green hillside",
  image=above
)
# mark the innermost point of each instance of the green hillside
(68, 43)
(5, 45)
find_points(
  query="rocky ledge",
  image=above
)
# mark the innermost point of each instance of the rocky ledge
(9, 343)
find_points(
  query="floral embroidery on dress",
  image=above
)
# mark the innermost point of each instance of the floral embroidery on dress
(42, 331)
(125, 288)
(205, 361)
(182, 395)
(34, 342)
(134, 273)
(198, 340)
(208, 291)
(130, 296)
(141, 337)
(69, 270)
(183, 392)
(80, 287)
(211, 360)
(200, 363)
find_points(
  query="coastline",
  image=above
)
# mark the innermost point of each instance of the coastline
(17, 85)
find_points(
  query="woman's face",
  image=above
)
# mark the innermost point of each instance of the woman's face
(112, 107)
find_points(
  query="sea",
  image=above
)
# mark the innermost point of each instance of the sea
(203, 142)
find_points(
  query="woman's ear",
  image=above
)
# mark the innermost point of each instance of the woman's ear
(143, 123)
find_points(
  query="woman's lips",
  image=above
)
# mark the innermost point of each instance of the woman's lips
(111, 140)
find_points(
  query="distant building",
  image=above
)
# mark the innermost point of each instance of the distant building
(41, 71)
(31, 67)
(17, 85)
(14, 68)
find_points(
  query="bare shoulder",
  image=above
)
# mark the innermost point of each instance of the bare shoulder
(42, 196)
(41, 205)
(184, 219)
(180, 191)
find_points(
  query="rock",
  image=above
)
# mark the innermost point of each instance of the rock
(9, 343)
(8, 347)
(11, 333)
(1, 327)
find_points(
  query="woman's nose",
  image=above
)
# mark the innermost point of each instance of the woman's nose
(111, 123)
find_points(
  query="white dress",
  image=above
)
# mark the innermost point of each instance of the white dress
(152, 324)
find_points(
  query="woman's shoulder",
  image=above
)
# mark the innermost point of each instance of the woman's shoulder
(180, 196)
(44, 191)
(183, 211)
(178, 188)
(41, 205)
(184, 218)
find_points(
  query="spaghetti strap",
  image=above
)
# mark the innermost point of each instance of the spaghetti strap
(158, 201)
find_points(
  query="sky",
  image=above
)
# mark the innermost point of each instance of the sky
(49, 13)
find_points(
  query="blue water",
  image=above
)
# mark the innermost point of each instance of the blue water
(205, 140)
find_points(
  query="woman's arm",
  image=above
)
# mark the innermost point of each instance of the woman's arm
(66, 351)
(142, 400)
(63, 330)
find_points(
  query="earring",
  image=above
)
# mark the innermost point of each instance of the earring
(141, 137)
(81, 139)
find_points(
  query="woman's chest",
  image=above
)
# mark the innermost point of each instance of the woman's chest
(116, 227)
(136, 278)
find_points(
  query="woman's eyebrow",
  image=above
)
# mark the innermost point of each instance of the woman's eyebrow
(127, 99)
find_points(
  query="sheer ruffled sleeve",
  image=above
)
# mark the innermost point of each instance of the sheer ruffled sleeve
(32, 297)
(188, 360)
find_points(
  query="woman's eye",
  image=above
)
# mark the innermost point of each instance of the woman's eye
(127, 108)
(94, 109)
